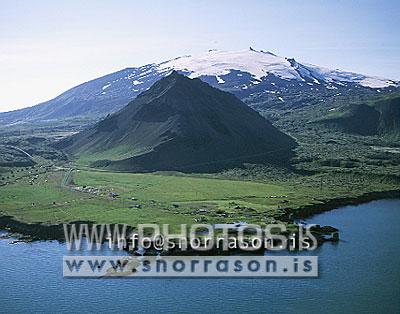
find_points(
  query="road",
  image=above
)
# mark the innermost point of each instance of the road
(21, 150)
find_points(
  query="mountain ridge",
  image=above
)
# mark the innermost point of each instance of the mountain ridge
(256, 77)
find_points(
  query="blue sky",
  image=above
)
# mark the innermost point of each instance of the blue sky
(47, 47)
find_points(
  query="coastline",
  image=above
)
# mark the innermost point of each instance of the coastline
(308, 211)
(44, 232)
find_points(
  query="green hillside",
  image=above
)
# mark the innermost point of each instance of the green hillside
(380, 117)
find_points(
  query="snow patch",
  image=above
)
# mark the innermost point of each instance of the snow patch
(331, 87)
(220, 80)
(340, 77)
(216, 63)
(376, 82)
(106, 86)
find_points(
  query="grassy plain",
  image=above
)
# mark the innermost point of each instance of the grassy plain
(107, 197)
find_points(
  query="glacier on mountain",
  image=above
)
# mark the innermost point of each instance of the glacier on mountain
(259, 64)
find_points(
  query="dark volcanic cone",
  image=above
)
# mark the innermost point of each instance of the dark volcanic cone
(185, 125)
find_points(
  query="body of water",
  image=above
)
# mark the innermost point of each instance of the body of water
(361, 274)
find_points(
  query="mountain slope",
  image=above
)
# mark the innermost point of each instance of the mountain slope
(181, 124)
(259, 78)
(389, 122)
(378, 118)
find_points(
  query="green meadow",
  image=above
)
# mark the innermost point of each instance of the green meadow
(56, 195)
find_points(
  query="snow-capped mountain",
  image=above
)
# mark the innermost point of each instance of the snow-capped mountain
(260, 64)
(259, 78)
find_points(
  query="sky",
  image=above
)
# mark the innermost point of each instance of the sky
(47, 47)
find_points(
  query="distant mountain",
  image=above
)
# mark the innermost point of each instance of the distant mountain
(261, 79)
(379, 118)
(181, 124)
